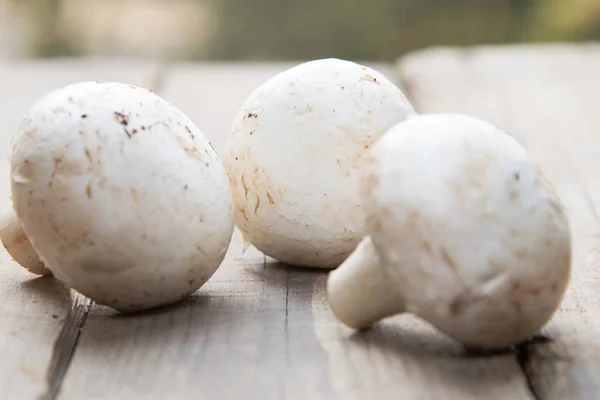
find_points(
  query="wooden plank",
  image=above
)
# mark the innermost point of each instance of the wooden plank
(39, 319)
(260, 330)
(547, 97)
(243, 335)
(264, 331)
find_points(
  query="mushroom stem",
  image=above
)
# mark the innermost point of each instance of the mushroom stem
(359, 290)
(17, 244)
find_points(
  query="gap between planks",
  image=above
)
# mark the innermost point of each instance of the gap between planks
(65, 344)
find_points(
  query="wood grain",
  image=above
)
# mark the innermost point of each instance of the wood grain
(262, 330)
(246, 334)
(39, 319)
(547, 97)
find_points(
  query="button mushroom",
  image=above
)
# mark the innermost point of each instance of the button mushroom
(120, 194)
(17, 244)
(463, 231)
(294, 153)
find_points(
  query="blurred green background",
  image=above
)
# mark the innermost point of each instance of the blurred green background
(282, 29)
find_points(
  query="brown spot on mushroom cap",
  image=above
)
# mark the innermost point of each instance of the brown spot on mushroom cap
(88, 190)
(412, 217)
(187, 145)
(200, 249)
(256, 205)
(134, 195)
(20, 238)
(121, 118)
(244, 213)
(426, 246)
(270, 198)
(28, 371)
(448, 260)
(477, 167)
(370, 78)
(245, 186)
(376, 224)
(517, 305)
(88, 154)
(58, 159)
(304, 111)
(520, 254)
(458, 305)
(513, 192)
(535, 291)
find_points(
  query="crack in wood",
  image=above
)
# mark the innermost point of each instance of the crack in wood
(65, 345)
(287, 313)
(523, 354)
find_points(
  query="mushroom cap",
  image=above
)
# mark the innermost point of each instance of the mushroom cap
(463, 221)
(120, 194)
(17, 244)
(294, 153)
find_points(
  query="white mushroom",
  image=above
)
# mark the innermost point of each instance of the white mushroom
(120, 194)
(17, 244)
(464, 231)
(294, 154)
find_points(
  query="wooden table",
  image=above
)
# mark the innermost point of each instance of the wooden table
(259, 330)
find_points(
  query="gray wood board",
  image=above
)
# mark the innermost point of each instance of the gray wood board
(547, 97)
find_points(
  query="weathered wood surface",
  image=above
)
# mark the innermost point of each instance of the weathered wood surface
(548, 98)
(262, 330)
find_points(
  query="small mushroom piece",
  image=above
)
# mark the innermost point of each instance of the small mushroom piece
(120, 194)
(463, 231)
(17, 244)
(294, 155)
